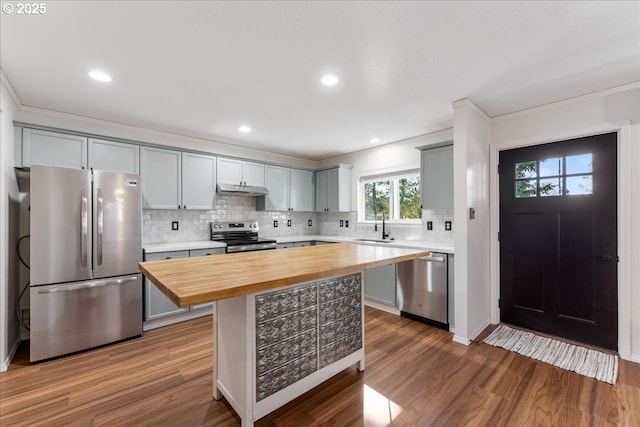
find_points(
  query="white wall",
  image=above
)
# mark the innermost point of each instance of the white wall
(617, 109)
(471, 190)
(393, 156)
(9, 331)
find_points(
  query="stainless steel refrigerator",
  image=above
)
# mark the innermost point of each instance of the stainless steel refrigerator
(86, 289)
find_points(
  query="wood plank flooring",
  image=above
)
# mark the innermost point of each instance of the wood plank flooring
(415, 376)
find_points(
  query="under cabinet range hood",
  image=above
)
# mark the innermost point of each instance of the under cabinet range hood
(241, 190)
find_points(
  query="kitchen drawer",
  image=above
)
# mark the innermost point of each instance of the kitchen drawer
(166, 255)
(206, 252)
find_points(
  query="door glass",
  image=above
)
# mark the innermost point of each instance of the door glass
(526, 170)
(551, 186)
(551, 167)
(581, 184)
(580, 164)
(526, 188)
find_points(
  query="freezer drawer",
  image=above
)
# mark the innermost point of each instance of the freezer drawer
(76, 316)
(422, 288)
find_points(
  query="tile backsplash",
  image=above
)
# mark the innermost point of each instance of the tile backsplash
(329, 224)
(194, 225)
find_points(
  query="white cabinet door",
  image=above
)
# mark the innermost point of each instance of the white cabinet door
(229, 171)
(114, 156)
(322, 191)
(253, 174)
(156, 303)
(41, 147)
(161, 175)
(436, 178)
(277, 182)
(198, 181)
(302, 191)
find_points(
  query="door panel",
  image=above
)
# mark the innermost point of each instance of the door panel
(117, 221)
(60, 223)
(558, 238)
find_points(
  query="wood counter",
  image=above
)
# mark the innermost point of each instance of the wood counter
(198, 280)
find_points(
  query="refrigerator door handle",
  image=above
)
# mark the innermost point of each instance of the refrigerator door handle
(90, 285)
(100, 221)
(84, 224)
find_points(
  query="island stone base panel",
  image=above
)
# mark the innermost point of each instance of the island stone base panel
(274, 346)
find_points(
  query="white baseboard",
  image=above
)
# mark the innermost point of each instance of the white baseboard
(5, 363)
(635, 358)
(479, 330)
(383, 307)
(461, 340)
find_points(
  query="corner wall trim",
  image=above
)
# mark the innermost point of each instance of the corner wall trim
(5, 363)
(461, 340)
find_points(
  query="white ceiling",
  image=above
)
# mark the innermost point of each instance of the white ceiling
(205, 68)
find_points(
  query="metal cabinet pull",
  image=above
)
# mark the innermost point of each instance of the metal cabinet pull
(84, 226)
(432, 258)
(100, 216)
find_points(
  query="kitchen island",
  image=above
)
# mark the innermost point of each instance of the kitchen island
(285, 321)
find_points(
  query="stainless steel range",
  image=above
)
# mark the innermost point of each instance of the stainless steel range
(240, 236)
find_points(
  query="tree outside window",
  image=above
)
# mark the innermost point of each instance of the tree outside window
(395, 198)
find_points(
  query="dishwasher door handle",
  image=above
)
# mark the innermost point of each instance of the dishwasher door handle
(432, 258)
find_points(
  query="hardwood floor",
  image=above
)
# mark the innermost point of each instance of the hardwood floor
(415, 375)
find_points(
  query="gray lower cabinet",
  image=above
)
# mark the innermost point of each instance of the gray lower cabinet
(380, 284)
(204, 252)
(156, 304)
(302, 244)
(302, 329)
(451, 291)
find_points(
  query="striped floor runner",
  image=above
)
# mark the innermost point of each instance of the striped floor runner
(584, 361)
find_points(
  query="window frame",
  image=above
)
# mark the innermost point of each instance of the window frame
(394, 192)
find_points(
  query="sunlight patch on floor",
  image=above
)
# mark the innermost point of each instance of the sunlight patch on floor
(377, 409)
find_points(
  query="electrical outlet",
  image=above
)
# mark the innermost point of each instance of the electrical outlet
(310, 222)
(341, 223)
(447, 225)
(288, 223)
(346, 223)
(275, 223)
(174, 225)
(429, 225)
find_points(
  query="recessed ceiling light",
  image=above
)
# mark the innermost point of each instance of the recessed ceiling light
(374, 140)
(244, 129)
(100, 76)
(329, 80)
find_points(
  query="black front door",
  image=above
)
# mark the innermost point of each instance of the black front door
(558, 239)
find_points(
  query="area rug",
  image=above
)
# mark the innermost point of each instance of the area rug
(584, 361)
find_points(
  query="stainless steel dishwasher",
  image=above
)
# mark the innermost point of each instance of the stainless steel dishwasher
(422, 289)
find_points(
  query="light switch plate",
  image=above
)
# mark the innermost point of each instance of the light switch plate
(174, 225)
(310, 222)
(341, 223)
(346, 223)
(288, 223)
(275, 223)
(429, 225)
(447, 225)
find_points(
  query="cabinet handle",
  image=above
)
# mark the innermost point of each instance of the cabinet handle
(178, 206)
(184, 207)
(168, 257)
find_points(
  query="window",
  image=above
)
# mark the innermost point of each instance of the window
(558, 176)
(395, 197)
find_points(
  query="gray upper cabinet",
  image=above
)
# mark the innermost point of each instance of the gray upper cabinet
(198, 181)
(40, 147)
(277, 181)
(114, 156)
(333, 189)
(436, 178)
(239, 172)
(302, 197)
(175, 180)
(161, 178)
(289, 190)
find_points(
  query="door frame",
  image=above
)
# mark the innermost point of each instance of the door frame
(623, 130)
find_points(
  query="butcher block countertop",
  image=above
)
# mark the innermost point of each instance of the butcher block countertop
(189, 281)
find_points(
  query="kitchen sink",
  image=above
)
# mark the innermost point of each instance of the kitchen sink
(373, 241)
